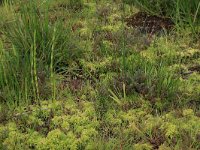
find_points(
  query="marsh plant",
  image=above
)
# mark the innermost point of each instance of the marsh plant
(37, 50)
(73, 76)
(141, 76)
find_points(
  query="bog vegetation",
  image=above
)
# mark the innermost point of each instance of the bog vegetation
(110, 74)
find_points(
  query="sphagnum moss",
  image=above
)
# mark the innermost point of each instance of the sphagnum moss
(73, 75)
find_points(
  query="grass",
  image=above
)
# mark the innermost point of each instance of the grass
(37, 47)
(74, 76)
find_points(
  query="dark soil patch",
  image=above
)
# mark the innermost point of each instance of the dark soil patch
(157, 138)
(149, 23)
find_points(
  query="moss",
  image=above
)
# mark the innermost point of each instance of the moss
(112, 87)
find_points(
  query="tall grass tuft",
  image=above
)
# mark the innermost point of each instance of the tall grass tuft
(152, 80)
(37, 46)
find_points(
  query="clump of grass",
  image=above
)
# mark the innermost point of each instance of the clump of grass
(58, 35)
(37, 46)
(6, 13)
(153, 81)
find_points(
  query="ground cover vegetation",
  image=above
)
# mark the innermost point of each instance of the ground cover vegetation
(110, 74)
